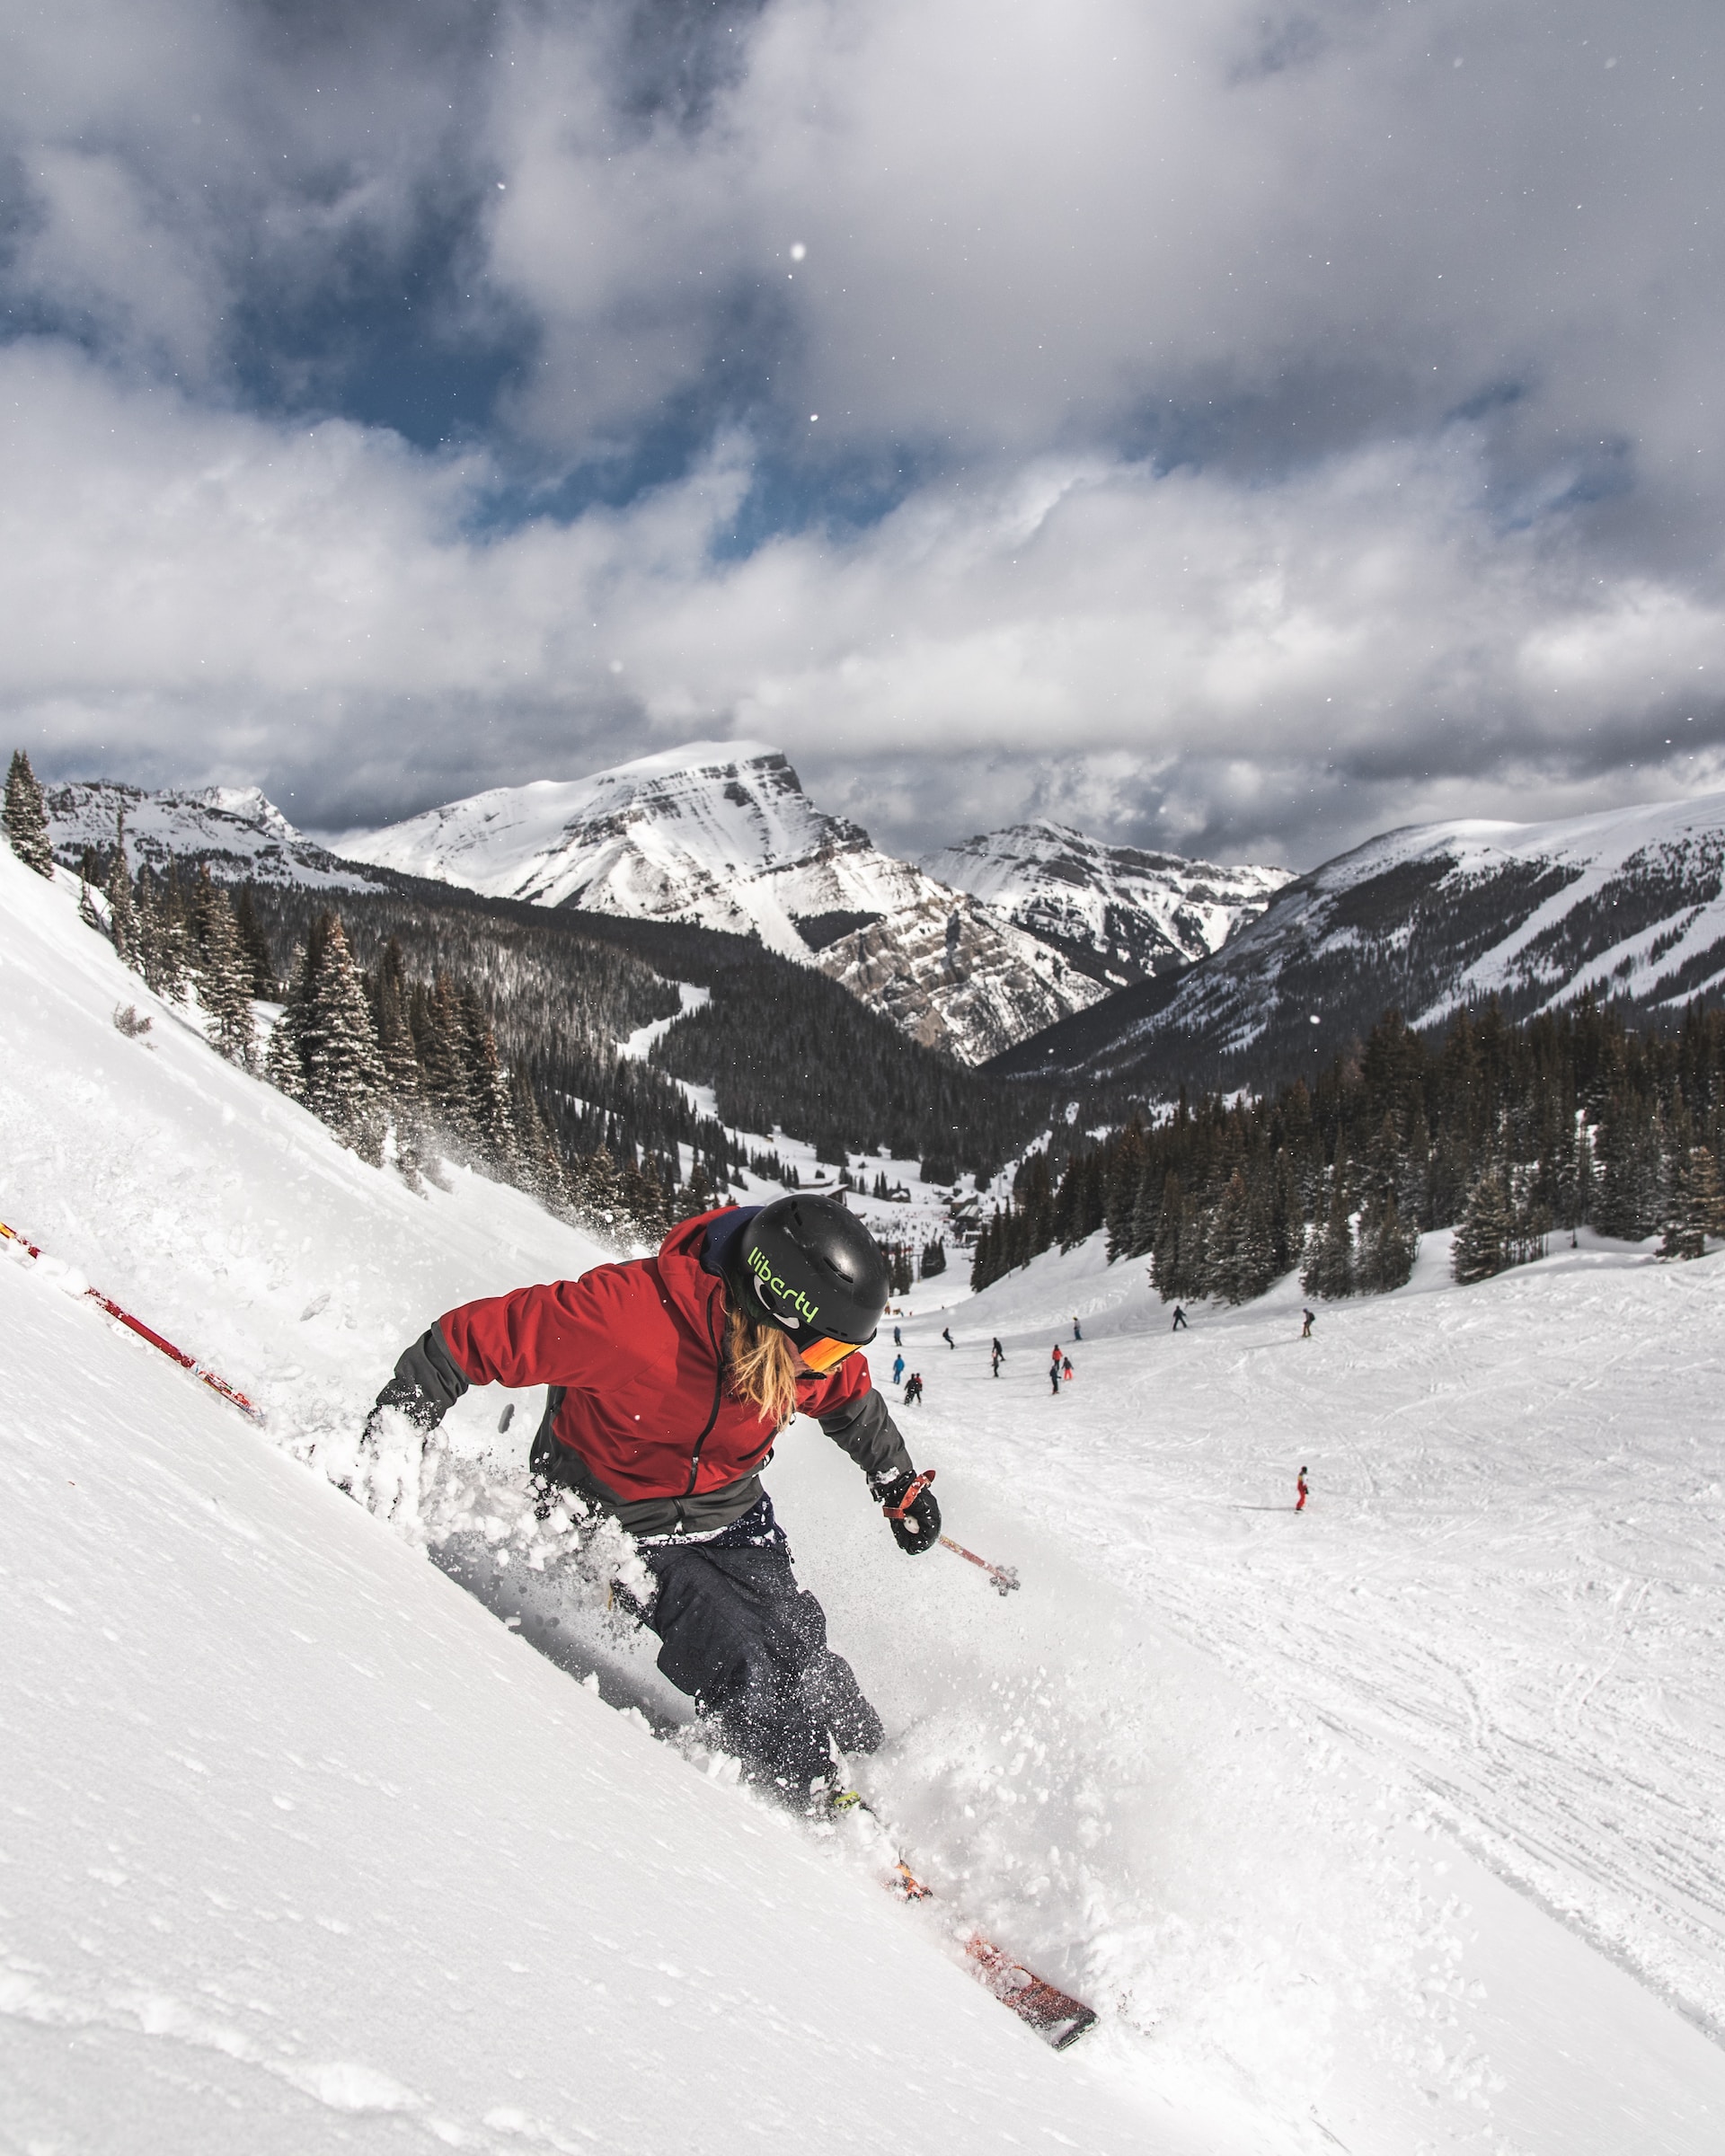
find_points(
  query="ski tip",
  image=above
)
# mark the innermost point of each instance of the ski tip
(1063, 2037)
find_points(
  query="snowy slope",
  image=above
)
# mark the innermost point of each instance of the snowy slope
(234, 828)
(1628, 903)
(1128, 912)
(302, 1849)
(1188, 1769)
(722, 833)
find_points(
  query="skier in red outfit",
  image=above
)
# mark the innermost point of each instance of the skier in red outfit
(671, 1379)
(1299, 1503)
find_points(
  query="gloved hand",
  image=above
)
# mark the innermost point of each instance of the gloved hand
(425, 1385)
(916, 1526)
(405, 1393)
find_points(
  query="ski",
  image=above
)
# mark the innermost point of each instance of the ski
(1056, 2016)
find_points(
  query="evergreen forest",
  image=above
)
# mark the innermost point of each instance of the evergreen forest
(1508, 1132)
(421, 1021)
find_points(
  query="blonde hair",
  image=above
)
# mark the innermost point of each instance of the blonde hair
(763, 1367)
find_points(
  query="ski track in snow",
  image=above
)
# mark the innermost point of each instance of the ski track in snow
(1247, 1781)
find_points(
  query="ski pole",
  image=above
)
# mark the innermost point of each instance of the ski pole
(1005, 1576)
(200, 1370)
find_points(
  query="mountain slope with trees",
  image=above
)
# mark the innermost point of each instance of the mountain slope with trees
(1508, 1132)
(1628, 905)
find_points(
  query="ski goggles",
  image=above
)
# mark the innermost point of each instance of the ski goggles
(825, 1354)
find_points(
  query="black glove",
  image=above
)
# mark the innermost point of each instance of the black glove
(427, 1383)
(916, 1526)
(402, 1393)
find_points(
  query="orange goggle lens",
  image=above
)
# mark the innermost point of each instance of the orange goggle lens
(824, 1355)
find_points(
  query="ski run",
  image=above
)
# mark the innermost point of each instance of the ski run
(1392, 1826)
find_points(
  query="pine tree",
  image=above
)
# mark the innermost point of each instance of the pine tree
(256, 946)
(1165, 1264)
(338, 1048)
(87, 912)
(122, 916)
(933, 1259)
(488, 1089)
(1695, 1207)
(284, 1064)
(224, 984)
(1328, 1269)
(1224, 1247)
(1387, 1247)
(26, 817)
(1259, 1265)
(541, 1166)
(439, 1039)
(1484, 1242)
(146, 940)
(173, 961)
(403, 1088)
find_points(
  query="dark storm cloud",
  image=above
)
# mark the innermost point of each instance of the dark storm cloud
(1238, 428)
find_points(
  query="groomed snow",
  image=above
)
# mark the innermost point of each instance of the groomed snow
(1257, 1786)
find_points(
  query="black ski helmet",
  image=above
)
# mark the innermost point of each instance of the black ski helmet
(814, 1269)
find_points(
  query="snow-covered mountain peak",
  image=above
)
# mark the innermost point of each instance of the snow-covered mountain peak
(658, 836)
(237, 830)
(722, 833)
(1123, 911)
(1624, 903)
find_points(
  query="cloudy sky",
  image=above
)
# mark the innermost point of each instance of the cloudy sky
(1232, 426)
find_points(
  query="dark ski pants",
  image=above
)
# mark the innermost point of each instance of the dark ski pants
(749, 1646)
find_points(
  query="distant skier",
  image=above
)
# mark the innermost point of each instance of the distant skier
(1305, 1330)
(670, 1379)
(914, 1390)
(1077, 1331)
(897, 1368)
(1054, 1372)
(946, 1334)
(997, 1356)
(1066, 1370)
(898, 1337)
(1179, 1324)
(1299, 1503)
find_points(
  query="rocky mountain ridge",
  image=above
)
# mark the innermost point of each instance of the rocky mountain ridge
(1628, 903)
(723, 833)
(236, 829)
(1120, 913)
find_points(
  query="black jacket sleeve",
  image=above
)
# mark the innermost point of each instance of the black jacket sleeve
(864, 1429)
(427, 1383)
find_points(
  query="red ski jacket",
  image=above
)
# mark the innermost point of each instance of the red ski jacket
(640, 1412)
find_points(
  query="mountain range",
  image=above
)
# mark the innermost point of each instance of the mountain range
(235, 829)
(1036, 950)
(722, 834)
(1629, 904)
(1119, 915)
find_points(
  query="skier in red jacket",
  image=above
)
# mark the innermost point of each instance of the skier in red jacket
(671, 1379)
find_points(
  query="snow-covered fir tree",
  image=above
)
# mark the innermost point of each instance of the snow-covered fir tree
(338, 1048)
(1328, 1269)
(390, 996)
(488, 1091)
(1695, 1205)
(255, 944)
(26, 817)
(122, 913)
(1388, 1246)
(1485, 1241)
(224, 982)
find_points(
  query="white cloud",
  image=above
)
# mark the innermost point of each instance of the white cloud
(207, 596)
